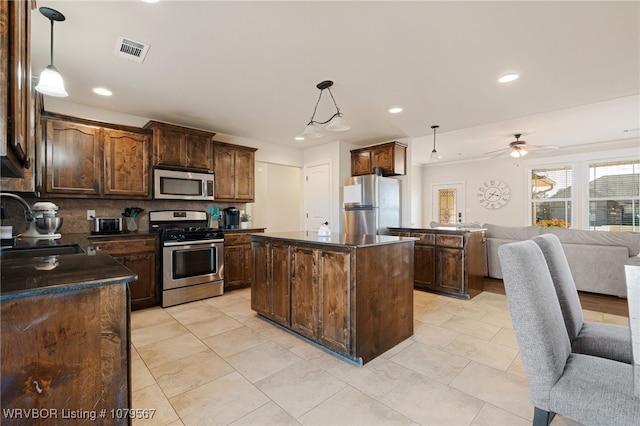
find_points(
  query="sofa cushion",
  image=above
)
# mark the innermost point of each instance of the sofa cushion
(630, 240)
(516, 233)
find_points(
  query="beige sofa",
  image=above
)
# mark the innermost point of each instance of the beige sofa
(596, 258)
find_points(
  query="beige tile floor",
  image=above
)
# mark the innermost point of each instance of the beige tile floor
(214, 362)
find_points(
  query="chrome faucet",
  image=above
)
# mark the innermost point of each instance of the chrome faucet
(28, 214)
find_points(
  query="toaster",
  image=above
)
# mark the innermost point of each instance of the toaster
(106, 225)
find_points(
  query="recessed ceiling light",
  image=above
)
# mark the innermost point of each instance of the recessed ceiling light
(299, 138)
(102, 91)
(508, 77)
(395, 110)
(151, 1)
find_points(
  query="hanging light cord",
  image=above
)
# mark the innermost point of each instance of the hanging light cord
(434, 138)
(318, 103)
(51, 20)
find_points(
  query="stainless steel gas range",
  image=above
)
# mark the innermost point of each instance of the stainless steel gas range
(192, 256)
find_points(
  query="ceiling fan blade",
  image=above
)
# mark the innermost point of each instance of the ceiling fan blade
(501, 150)
(541, 147)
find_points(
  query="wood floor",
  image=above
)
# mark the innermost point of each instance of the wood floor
(591, 301)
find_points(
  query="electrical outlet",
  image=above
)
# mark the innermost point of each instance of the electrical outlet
(91, 214)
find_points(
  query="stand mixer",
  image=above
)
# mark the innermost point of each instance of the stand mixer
(45, 224)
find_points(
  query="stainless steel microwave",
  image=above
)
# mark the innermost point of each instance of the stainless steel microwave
(182, 185)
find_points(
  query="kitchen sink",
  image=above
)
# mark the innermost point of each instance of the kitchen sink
(28, 252)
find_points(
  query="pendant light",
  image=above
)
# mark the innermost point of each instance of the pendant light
(434, 154)
(336, 123)
(50, 82)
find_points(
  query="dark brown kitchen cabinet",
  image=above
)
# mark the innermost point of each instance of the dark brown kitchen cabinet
(126, 163)
(66, 351)
(304, 292)
(271, 284)
(361, 163)
(339, 296)
(73, 158)
(15, 87)
(84, 158)
(305, 289)
(320, 311)
(234, 169)
(181, 147)
(237, 259)
(447, 262)
(139, 254)
(390, 156)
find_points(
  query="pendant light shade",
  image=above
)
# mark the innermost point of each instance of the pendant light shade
(311, 132)
(336, 123)
(50, 82)
(434, 154)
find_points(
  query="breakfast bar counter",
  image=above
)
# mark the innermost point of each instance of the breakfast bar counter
(352, 295)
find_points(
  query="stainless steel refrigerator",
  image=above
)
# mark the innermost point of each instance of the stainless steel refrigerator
(371, 204)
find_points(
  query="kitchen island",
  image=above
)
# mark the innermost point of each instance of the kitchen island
(65, 338)
(350, 294)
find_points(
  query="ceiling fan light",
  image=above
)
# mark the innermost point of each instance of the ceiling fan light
(311, 132)
(518, 152)
(338, 124)
(51, 83)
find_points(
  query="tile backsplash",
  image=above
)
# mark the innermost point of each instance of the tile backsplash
(74, 211)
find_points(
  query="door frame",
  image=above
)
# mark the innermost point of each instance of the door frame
(460, 187)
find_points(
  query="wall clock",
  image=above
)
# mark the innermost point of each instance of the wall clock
(493, 194)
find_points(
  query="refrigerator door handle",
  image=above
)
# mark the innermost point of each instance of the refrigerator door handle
(359, 208)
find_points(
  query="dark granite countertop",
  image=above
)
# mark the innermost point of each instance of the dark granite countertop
(439, 230)
(23, 277)
(334, 239)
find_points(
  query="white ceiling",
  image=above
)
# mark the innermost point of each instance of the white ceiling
(249, 69)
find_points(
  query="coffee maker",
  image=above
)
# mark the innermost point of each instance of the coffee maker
(230, 218)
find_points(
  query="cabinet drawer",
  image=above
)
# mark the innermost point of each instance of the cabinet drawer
(235, 239)
(425, 239)
(127, 245)
(450, 240)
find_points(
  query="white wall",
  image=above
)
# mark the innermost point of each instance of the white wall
(473, 174)
(279, 198)
(514, 173)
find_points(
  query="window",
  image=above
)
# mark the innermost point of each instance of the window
(614, 195)
(551, 196)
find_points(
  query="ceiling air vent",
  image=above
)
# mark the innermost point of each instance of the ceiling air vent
(132, 50)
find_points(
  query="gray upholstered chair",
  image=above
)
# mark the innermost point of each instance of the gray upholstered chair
(587, 389)
(589, 338)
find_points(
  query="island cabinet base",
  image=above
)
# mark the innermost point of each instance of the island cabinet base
(65, 357)
(355, 301)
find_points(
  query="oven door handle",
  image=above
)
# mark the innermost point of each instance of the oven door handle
(188, 243)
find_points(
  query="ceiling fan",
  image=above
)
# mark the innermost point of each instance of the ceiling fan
(518, 148)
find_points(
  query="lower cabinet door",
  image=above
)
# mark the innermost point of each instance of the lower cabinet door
(450, 264)
(304, 292)
(424, 266)
(280, 283)
(144, 292)
(334, 278)
(260, 288)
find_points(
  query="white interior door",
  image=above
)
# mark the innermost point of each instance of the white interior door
(447, 203)
(317, 195)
